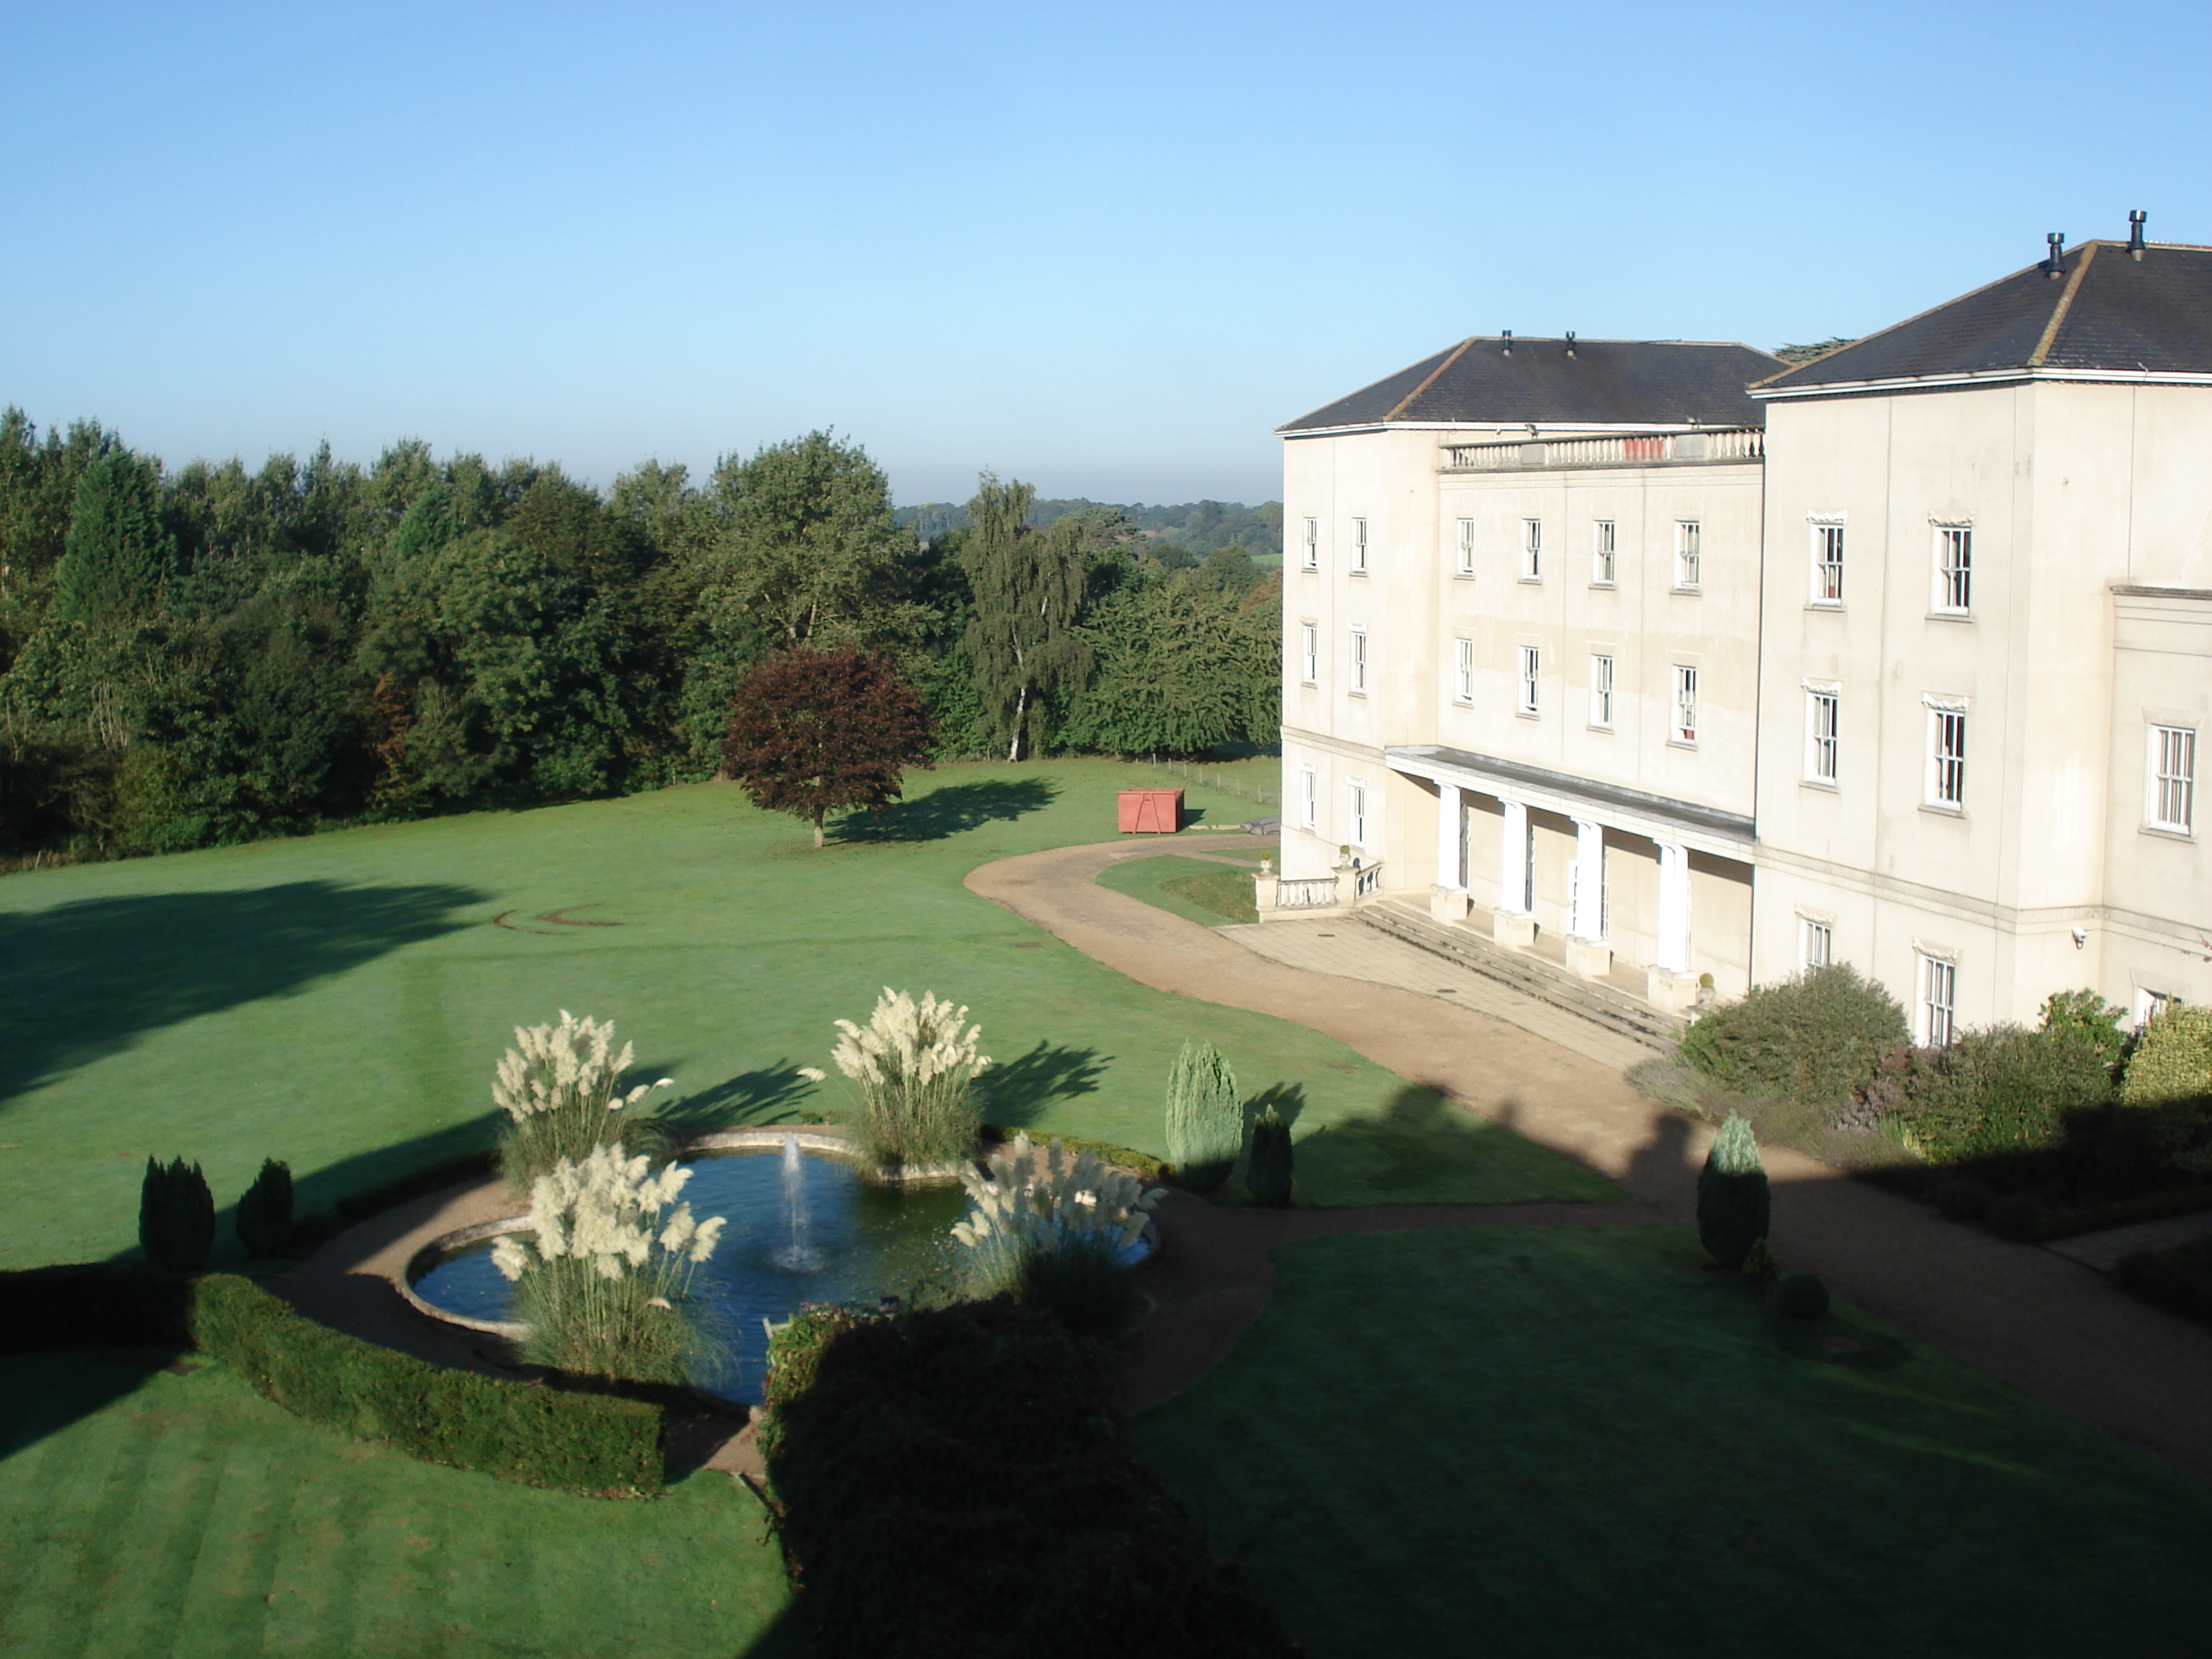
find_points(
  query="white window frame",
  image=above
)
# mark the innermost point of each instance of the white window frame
(1816, 943)
(1358, 687)
(1682, 713)
(1604, 550)
(1689, 542)
(1953, 594)
(1528, 692)
(1945, 789)
(1823, 727)
(1310, 652)
(2149, 1005)
(1935, 1013)
(1827, 541)
(1355, 802)
(2170, 798)
(1463, 670)
(1465, 550)
(1308, 798)
(1601, 690)
(1358, 546)
(1532, 549)
(1310, 559)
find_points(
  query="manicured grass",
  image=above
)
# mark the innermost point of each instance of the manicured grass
(144, 1513)
(340, 1001)
(1196, 889)
(1520, 1442)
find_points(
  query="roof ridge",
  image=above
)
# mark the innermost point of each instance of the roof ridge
(1450, 357)
(2041, 354)
(1880, 333)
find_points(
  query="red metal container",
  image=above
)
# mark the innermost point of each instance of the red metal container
(1150, 811)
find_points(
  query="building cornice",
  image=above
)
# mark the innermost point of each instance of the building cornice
(1708, 829)
(1981, 378)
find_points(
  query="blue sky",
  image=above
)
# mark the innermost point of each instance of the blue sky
(1105, 249)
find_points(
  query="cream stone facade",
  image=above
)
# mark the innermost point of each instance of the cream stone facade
(1900, 659)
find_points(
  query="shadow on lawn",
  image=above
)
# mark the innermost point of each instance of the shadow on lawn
(769, 1094)
(1011, 1093)
(950, 810)
(83, 980)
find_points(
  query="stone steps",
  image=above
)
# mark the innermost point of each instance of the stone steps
(1531, 975)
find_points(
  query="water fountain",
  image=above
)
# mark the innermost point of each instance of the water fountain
(796, 1255)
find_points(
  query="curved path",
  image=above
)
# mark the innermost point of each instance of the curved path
(2034, 1319)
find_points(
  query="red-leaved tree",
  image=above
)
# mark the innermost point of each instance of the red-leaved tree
(813, 732)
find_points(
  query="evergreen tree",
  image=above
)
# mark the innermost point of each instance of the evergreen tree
(1267, 1176)
(118, 554)
(1026, 590)
(1204, 1123)
(1734, 1206)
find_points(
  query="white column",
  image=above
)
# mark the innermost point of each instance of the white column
(1448, 814)
(1513, 860)
(1673, 908)
(1589, 880)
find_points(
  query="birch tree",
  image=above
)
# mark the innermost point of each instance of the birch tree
(1025, 589)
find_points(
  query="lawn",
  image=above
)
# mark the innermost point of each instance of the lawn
(1522, 1444)
(148, 1513)
(340, 1001)
(1197, 890)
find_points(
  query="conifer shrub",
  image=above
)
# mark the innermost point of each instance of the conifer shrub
(1801, 1296)
(263, 1218)
(1734, 1205)
(1267, 1177)
(1816, 1036)
(176, 1217)
(1760, 1269)
(1205, 1120)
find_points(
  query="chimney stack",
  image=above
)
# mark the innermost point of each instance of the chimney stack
(1509, 343)
(2135, 243)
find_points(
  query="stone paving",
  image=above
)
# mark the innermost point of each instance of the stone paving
(2106, 1250)
(1340, 946)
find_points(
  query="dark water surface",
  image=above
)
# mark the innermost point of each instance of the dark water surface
(862, 1242)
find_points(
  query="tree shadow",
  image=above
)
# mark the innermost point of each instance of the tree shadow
(84, 979)
(1012, 1092)
(769, 1094)
(951, 810)
(1289, 1100)
(1657, 1169)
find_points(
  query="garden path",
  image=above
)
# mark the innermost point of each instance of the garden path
(2045, 1324)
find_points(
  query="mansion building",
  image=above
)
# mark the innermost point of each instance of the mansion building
(1678, 669)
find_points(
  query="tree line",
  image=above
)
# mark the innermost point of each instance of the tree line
(213, 654)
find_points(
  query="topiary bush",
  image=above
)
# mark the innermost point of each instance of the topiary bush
(176, 1217)
(1816, 1036)
(1205, 1120)
(1734, 1205)
(264, 1219)
(1267, 1176)
(1801, 1296)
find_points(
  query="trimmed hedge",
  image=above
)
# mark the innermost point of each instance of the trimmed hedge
(95, 1304)
(953, 1484)
(595, 1444)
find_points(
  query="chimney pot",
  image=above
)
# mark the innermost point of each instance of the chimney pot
(2135, 244)
(2054, 263)
(1509, 342)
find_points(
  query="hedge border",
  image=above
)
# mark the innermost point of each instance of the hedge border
(592, 1444)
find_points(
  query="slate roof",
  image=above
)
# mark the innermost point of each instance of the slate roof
(2110, 313)
(1605, 383)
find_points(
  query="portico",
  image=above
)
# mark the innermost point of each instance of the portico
(1619, 872)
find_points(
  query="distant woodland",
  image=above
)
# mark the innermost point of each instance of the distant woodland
(215, 654)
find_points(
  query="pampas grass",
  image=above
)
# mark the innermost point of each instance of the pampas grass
(605, 1286)
(1049, 1232)
(912, 1063)
(560, 1087)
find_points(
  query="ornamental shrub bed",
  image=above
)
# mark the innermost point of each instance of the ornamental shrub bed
(1816, 1035)
(953, 1481)
(593, 1444)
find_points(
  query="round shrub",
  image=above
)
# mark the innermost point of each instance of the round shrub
(1759, 1267)
(1816, 1036)
(1803, 1296)
(1734, 1206)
